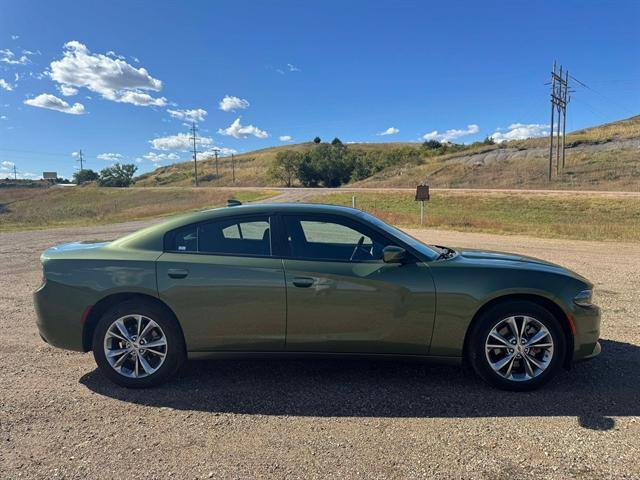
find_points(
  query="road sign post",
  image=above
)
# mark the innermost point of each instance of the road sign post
(422, 195)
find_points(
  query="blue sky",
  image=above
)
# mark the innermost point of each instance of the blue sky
(121, 77)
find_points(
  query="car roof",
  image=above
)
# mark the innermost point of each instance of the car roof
(151, 238)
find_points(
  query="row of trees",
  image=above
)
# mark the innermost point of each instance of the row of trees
(331, 165)
(115, 176)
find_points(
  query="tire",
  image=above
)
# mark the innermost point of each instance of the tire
(528, 364)
(138, 367)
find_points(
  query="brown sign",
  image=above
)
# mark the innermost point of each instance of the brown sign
(422, 193)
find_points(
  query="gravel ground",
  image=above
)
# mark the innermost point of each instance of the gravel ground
(59, 418)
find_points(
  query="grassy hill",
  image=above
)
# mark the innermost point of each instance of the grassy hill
(605, 157)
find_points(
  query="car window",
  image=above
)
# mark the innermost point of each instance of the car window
(250, 236)
(332, 239)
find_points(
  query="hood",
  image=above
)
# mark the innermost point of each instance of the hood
(502, 257)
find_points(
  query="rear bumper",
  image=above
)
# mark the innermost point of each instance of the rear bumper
(59, 315)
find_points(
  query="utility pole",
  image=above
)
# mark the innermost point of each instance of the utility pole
(81, 160)
(194, 137)
(559, 100)
(215, 152)
(15, 173)
(233, 168)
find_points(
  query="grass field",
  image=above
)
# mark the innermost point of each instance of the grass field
(538, 215)
(22, 209)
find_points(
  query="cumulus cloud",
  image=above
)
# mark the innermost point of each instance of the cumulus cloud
(452, 134)
(195, 115)
(389, 131)
(7, 56)
(5, 85)
(286, 138)
(113, 78)
(229, 103)
(293, 68)
(110, 157)
(161, 157)
(181, 141)
(6, 165)
(51, 102)
(237, 130)
(221, 151)
(67, 91)
(519, 131)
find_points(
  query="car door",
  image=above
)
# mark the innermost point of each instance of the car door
(342, 297)
(223, 284)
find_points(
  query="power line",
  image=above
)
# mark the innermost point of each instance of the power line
(559, 100)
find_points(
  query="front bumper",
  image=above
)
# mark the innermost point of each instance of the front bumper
(586, 339)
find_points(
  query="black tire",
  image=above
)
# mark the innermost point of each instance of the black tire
(477, 353)
(175, 353)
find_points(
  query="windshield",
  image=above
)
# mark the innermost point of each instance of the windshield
(404, 237)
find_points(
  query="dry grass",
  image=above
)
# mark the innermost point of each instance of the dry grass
(538, 215)
(24, 209)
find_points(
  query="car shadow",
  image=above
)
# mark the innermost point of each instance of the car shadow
(593, 391)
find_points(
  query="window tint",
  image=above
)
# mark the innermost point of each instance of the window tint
(249, 236)
(334, 239)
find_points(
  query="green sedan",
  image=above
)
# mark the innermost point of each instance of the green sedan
(298, 279)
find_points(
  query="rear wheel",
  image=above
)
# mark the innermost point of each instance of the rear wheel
(517, 345)
(138, 344)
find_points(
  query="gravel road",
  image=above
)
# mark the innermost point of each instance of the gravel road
(59, 418)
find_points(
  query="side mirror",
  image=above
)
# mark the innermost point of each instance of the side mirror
(393, 254)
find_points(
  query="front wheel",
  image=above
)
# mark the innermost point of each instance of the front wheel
(138, 345)
(517, 346)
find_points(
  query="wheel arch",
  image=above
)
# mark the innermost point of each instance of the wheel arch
(553, 307)
(108, 302)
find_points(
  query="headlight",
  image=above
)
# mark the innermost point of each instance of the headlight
(584, 298)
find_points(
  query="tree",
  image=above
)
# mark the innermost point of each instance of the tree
(285, 167)
(84, 176)
(432, 145)
(117, 175)
(317, 140)
(336, 142)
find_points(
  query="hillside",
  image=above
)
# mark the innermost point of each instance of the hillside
(604, 157)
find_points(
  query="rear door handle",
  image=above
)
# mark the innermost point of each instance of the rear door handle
(302, 282)
(177, 272)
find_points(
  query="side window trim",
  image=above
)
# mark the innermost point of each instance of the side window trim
(170, 236)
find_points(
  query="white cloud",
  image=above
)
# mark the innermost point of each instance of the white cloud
(293, 68)
(221, 151)
(51, 102)
(389, 131)
(229, 103)
(114, 79)
(6, 85)
(6, 165)
(110, 157)
(161, 157)
(135, 59)
(519, 131)
(286, 138)
(195, 115)
(237, 130)
(181, 141)
(113, 54)
(15, 37)
(452, 134)
(67, 91)
(7, 56)
(75, 154)
(3, 117)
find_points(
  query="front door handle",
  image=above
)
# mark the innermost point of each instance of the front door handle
(302, 282)
(177, 272)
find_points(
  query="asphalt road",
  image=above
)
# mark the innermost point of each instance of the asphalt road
(59, 418)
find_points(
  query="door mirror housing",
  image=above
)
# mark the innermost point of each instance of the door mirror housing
(394, 254)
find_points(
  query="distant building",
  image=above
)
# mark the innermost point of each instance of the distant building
(50, 175)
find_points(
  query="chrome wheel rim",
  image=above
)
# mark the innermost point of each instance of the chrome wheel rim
(135, 346)
(519, 348)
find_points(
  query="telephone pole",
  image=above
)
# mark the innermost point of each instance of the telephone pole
(81, 160)
(15, 173)
(233, 168)
(559, 101)
(194, 137)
